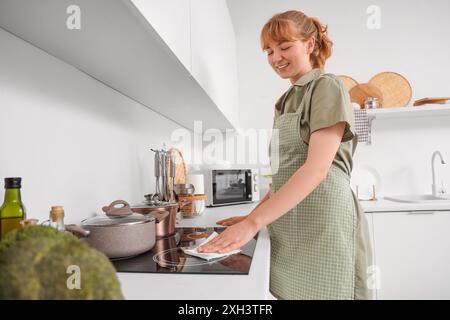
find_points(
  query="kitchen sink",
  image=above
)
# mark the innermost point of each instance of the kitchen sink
(417, 198)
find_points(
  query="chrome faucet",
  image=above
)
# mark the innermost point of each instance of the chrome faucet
(435, 191)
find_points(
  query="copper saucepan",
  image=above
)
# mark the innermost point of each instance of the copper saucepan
(167, 217)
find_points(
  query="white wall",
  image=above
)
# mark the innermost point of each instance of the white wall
(74, 141)
(412, 41)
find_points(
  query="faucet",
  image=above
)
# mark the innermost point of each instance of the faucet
(435, 191)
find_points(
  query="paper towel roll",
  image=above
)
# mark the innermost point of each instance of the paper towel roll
(198, 182)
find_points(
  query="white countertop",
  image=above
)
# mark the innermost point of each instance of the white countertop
(383, 205)
(255, 285)
(174, 286)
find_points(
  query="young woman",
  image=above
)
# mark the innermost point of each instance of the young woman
(320, 247)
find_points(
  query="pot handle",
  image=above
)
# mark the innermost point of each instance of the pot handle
(160, 215)
(77, 231)
(112, 211)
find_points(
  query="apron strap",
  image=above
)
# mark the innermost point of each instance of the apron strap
(284, 99)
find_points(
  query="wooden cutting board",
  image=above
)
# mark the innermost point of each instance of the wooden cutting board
(362, 91)
(349, 82)
(431, 101)
(395, 88)
(180, 166)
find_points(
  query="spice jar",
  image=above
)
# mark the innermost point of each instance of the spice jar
(195, 206)
(56, 218)
(371, 103)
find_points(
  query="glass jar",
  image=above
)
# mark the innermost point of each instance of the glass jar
(195, 204)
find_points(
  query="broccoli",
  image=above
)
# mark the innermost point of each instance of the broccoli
(34, 264)
(34, 232)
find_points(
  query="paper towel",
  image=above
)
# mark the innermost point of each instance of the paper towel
(198, 181)
(208, 255)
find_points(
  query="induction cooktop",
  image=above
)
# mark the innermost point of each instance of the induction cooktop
(168, 257)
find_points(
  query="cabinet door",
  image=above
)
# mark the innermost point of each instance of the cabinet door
(369, 217)
(214, 64)
(371, 272)
(412, 251)
(171, 19)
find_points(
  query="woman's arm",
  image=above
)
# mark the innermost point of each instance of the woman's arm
(266, 197)
(323, 145)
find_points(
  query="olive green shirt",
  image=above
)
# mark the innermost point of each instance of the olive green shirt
(327, 105)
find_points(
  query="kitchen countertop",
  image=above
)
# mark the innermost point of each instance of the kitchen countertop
(383, 205)
(255, 285)
(174, 286)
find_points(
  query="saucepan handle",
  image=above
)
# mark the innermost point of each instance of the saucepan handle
(77, 231)
(113, 211)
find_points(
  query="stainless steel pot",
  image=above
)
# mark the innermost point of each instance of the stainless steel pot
(120, 233)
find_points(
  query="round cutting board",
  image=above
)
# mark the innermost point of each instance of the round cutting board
(361, 92)
(349, 82)
(180, 166)
(395, 88)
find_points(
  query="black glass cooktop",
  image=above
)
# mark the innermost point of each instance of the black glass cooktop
(167, 257)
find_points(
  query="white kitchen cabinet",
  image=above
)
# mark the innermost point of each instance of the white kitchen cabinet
(200, 33)
(171, 19)
(214, 63)
(117, 46)
(412, 252)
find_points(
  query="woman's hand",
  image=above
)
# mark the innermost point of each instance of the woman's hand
(232, 238)
(231, 221)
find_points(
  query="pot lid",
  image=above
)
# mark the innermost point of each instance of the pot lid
(105, 221)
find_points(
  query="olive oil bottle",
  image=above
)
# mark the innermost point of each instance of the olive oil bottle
(12, 212)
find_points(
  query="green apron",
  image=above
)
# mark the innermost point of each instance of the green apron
(320, 249)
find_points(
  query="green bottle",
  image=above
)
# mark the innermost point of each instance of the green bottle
(12, 212)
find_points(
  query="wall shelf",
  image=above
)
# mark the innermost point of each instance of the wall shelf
(431, 110)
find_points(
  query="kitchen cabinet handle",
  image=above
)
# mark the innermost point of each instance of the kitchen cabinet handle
(422, 212)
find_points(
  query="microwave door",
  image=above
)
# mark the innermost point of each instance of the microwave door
(230, 186)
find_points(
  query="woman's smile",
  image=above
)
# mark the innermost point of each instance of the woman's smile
(282, 66)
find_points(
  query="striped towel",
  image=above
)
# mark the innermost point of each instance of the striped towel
(362, 125)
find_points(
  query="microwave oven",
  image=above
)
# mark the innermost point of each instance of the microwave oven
(231, 186)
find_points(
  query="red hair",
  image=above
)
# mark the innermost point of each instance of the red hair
(295, 25)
